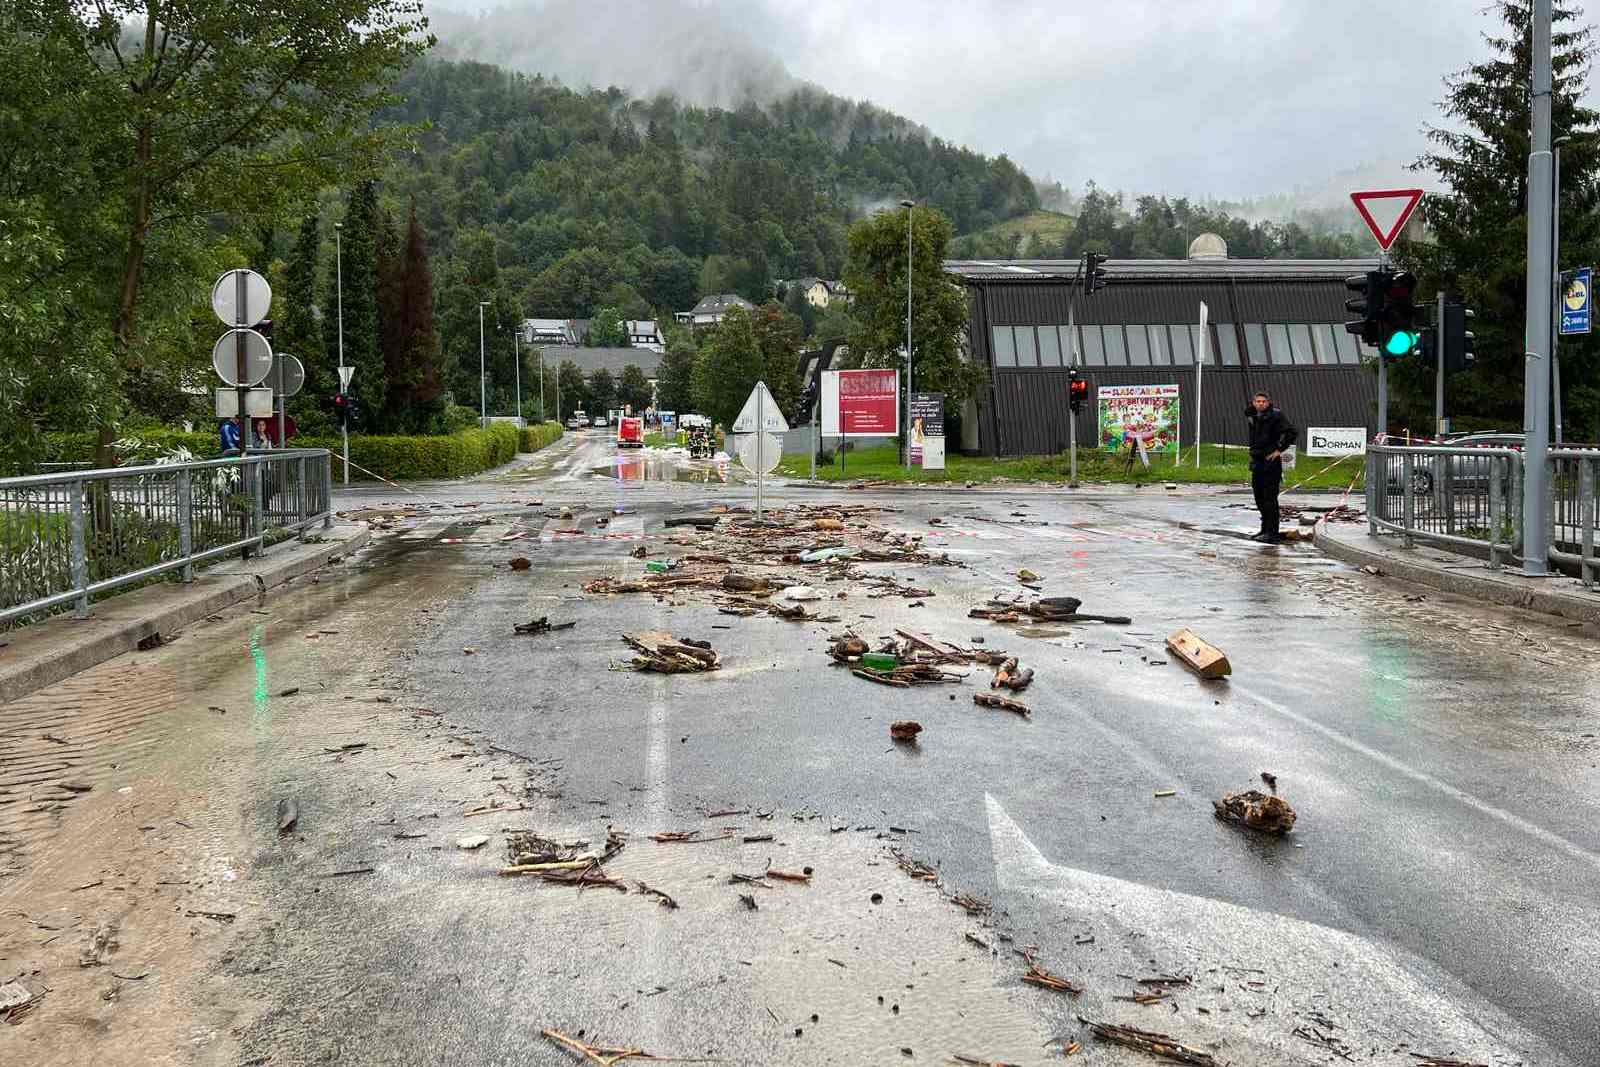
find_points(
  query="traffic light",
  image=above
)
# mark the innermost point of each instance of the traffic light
(1399, 320)
(1372, 286)
(1094, 274)
(1077, 390)
(1457, 338)
(340, 405)
(802, 409)
(353, 409)
(1428, 346)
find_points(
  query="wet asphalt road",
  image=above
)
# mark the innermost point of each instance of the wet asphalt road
(1437, 895)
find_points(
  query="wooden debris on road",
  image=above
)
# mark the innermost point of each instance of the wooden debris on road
(1424, 1060)
(989, 700)
(1037, 975)
(288, 814)
(542, 625)
(1155, 1044)
(1012, 676)
(686, 837)
(605, 1055)
(848, 649)
(919, 872)
(1199, 655)
(790, 876)
(661, 652)
(905, 729)
(661, 898)
(521, 563)
(1256, 810)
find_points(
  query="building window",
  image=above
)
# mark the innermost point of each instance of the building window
(1138, 347)
(1094, 347)
(1278, 338)
(1160, 346)
(1255, 344)
(1005, 347)
(1049, 346)
(1183, 345)
(1322, 343)
(1227, 350)
(1300, 345)
(1116, 349)
(1027, 354)
(1345, 341)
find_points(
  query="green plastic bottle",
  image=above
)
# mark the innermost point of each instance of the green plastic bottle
(880, 661)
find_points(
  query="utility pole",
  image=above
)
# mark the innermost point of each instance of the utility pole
(1555, 280)
(1440, 426)
(910, 206)
(516, 354)
(543, 414)
(483, 392)
(1536, 374)
(338, 269)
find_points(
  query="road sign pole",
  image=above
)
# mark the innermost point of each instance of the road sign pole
(1536, 373)
(1072, 414)
(1383, 395)
(241, 299)
(1556, 288)
(1199, 371)
(516, 349)
(761, 434)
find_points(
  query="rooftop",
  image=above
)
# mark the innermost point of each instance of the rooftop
(614, 360)
(1158, 269)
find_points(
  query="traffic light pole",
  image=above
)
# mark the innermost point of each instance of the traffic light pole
(1440, 426)
(1536, 373)
(1072, 407)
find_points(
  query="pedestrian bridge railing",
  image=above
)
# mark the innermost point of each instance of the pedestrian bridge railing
(1470, 499)
(71, 536)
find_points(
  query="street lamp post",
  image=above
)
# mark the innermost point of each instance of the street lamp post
(1537, 331)
(1555, 279)
(516, 351)
(543, 414)
(910, 206)
(338, 269)
(483, 391)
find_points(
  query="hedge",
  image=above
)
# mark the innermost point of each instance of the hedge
(396, 458)
(535, 437)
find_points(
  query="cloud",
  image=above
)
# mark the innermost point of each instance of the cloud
(1226, 99)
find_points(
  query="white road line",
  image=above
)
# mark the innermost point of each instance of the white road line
(1516, 822)
(1387, 988)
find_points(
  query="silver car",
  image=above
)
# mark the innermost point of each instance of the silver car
(1467, 473)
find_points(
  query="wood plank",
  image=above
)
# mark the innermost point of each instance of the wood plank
(1198, 654)
(931, 644)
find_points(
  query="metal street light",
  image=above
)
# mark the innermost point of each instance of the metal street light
(338, 267)
(483, 392)
(909, 205)
(516, 352)
(1555, 275)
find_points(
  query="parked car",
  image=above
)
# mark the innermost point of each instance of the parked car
(600, 420)
(574, 421)
(1469, 474)
(630, 432)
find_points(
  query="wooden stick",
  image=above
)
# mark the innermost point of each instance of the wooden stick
(531, 868)
(1153, 1043)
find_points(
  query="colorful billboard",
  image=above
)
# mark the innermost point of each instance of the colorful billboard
(1131, 415)
(927, 420)
(861, 403)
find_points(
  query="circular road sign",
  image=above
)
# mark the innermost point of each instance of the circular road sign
(226, 292)
(771, 452)
(288, 374)
(257, 357)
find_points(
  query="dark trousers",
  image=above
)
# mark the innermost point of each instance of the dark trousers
(1266, 478)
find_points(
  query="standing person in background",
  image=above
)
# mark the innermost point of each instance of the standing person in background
(230, 435)
(1271, 433)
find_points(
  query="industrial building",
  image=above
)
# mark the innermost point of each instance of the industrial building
(1275, 325)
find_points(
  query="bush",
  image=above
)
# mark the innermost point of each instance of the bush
(540, 434)
(457, 418)
(394, 457)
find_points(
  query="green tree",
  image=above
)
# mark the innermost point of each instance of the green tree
(299, 332)
(359, 290)
(388, 258)
(602, 391)
(876, 273)
(572, 388)
(779, 335)
(729, 365)
(606, 330)
(1479, 223)
(415, 370)
(675, 388)
(633, 388)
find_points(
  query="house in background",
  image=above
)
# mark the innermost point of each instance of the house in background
(711, 309)
(644, 333)
(820, 292)
(553, 331)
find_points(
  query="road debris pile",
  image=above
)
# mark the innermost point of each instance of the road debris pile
(1015, 609)
(1256, 810)
(663, 653)
(1010, 675)
(1037, 975)
(16, 1000)
(914, 659)
(571, 863)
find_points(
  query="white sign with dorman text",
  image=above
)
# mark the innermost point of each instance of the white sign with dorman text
(1336, 441)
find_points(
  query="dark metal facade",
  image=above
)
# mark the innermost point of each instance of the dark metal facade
(1275, 326)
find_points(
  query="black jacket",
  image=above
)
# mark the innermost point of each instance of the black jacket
(1270, 431)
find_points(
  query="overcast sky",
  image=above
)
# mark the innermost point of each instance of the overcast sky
(1222, 98)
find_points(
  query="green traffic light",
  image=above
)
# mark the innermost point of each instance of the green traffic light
(1400, 343)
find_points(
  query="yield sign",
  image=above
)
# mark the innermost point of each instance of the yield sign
(1385, 211)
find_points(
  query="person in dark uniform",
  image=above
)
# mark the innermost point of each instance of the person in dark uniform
(1270, 433)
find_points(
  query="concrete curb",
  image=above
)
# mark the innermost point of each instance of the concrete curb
(57, 648)
(1468, 578)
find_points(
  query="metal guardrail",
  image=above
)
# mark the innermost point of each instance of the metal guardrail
(75, 535)
(1468, 498)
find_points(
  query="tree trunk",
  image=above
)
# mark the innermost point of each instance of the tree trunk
(132, 273)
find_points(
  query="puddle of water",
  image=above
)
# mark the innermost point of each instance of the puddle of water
(656, 466)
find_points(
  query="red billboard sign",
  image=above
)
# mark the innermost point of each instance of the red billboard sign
(863, 403)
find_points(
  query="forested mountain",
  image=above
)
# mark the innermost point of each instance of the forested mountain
(679, 200)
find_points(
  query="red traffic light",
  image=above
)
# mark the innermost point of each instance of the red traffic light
(1079, 389)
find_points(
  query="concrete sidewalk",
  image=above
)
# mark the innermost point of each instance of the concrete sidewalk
(61, 646)
(1451, 572)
